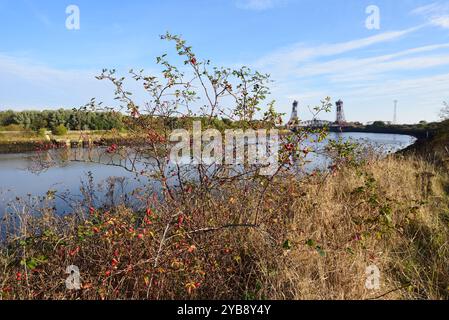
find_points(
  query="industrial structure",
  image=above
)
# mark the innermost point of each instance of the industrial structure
(294, 119)
(341, 120)
(295, 122)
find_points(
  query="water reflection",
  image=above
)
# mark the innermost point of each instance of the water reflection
(75, 180)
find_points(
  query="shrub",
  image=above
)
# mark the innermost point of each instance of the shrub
(212, 234)
(60, 130)
(379, 124)
(316, 239)
(42, 132)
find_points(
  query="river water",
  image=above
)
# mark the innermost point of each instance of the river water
(17, 182)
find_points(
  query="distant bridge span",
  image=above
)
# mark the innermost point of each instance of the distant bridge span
(314, 123)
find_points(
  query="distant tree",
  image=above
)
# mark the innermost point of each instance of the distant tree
(60, 130)
(422, 124)
(379, 124)
(227, 122)
(71, 119)
(39, 122)
(74, 123)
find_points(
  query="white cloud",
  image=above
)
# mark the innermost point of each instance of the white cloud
(442, 21)
(26, 69)
(258, 5)
(436, 13)
(420, 98)
(365, 73)
(433, 8)
(27, 84)
(350, 69)
(300, 53)
(307, 62)
(31, 85)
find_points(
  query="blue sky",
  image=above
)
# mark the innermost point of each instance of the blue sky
(312, 49)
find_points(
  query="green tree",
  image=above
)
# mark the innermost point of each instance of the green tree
(60, 130)
(379, 124)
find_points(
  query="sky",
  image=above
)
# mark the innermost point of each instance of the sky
(311, 48)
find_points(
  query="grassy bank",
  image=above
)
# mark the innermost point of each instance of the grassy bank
(314, 240)
(27, 141)
(308, 238)
(436, 149)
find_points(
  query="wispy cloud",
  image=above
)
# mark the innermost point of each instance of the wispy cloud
(363, 77)
(44, 86)
(436, 13)
(433, 8)
(258, 5)
(26, 69)
(442, 21)
(349, 69)
(420, 96)
(300, 52)
(50, 87)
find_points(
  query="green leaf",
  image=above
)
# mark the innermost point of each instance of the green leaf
(321, 251)
(287, 245)
(33, 263)
(310, 243)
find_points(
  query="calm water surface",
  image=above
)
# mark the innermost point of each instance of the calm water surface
(16, 181)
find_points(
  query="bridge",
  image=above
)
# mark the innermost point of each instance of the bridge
(295, 122)
(341, 125)
(315, 123)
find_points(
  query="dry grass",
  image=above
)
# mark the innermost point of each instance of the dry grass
(314, 239)
(388, 214)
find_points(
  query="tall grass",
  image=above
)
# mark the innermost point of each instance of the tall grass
(314, 239)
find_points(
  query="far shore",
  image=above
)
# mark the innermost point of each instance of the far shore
(25, 141)
(21, 142)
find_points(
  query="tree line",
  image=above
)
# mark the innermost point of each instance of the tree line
(94, 120)
(51, 119)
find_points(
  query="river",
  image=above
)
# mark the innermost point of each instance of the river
(17, 182)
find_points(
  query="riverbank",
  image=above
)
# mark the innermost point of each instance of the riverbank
(315, 241)
(435, 149)
(20, 142)
(426, 136)
(421, 133)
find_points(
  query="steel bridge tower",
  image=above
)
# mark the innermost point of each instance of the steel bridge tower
(294, 119)
(341, 120)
